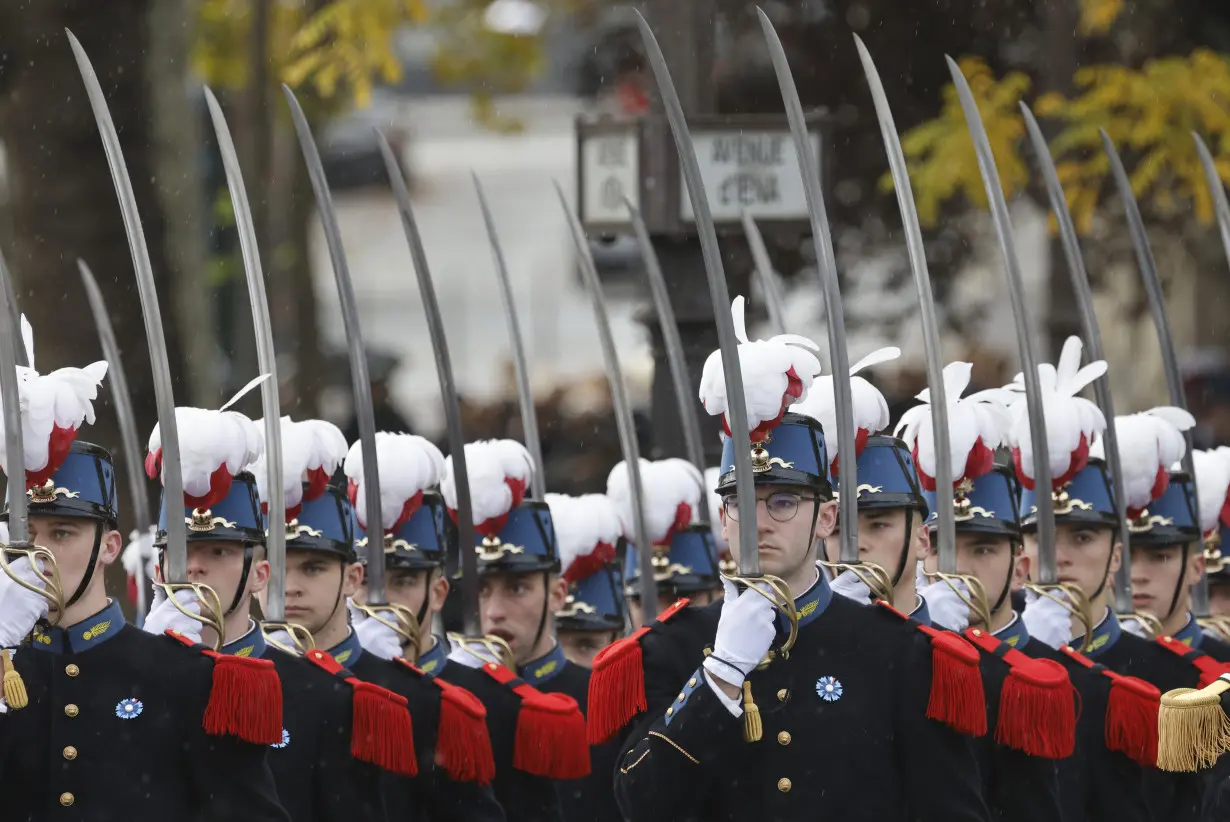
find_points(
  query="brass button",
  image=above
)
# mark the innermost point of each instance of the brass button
(784, 785)
(680, 699)
(71, 710)
(783, 738)
(692, 682)
(70, 753)
(977, 632)
(782, 694)
(72, 670)
(67, 799)
(670, 711)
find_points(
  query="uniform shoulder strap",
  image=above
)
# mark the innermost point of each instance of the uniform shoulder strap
(1210, 669)
(551, 737)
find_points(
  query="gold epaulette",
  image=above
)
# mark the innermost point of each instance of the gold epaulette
(1193, 729)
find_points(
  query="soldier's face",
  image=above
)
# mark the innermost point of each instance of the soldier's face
(882, 537)
(314, 583)
(511, 606)
(784, 540)
(220, 566)
(409, 588)
(1081, 554)
(1155, 577)
(582, 646)
(992, 561)
(1219, 600)
(71, 541)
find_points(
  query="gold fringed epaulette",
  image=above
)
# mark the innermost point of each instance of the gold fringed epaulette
(15, 695)
(1193, 730)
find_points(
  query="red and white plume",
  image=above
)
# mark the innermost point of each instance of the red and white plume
(499, 472)
(53, 407)
(776, 373)
(870, 407)
(1212, 489)
(1149, 443)
(715, 506)
(408, 465)
(1072, 422)
(311, 452)
(587, 529)
(214, 446)
(671, 490)
(977, 425)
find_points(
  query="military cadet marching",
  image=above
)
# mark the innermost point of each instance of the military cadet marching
(191, 728)
(593, 615)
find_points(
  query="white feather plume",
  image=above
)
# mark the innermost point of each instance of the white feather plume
(499, 473)
(1149, 443)
(408, 465)
(766, 368)
(665, 485)
(209, 440)
(869, 406)
(307, 446)
(582, 524)
(1212, 484)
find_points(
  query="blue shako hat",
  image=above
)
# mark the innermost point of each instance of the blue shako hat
(524, 545)
(792, 453)
(886, 476)
(1170, 519)
(1088, 499)
(594, 603)
(987, 504)
(689, 566)
(326, 523)
(236, 517)
(83, 486)
(421, 543)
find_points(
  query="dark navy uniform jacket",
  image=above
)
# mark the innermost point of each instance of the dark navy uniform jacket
(524, 796)
(845, 733)
(113, 733)
(316, 777)
(432, 794)
(591, 799)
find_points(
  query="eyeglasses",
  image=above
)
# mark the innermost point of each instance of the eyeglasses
(781, 507)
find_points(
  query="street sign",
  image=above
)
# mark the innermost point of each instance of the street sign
(609, 169)
(753, 170)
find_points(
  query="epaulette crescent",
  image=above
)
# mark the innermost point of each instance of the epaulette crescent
(550, 729)
(382, 732)
(1131, 725)
(957, 698)
(463, 744)
(1193, 728)
(1037, 705)
(1210, 669)
(245, 697)
(617, 681)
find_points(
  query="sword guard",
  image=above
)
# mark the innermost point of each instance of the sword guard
(778, 594)
(977, 600)
(211, 616)
(1147, 620)
(53, 591)
(301, 638)
(874, 576)
(1074, 600)
(1218, 624)
(493, 645)
(400, 619)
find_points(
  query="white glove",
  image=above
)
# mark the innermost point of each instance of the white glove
(850, 586)
(744, 633)
(1047, 621)
(471, 655)
(164, 616)
(19, 607)
(378, 639)
(947, 608)
(1135, 627)
(356, 615)
(282, 638)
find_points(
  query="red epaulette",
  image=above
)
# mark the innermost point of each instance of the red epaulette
(382, 732)
(1131, 711)
(1037, 705)
(617, 681)
(1210, 669)
(550, 730)
(957, 698)
(462, 741)
(245, 697)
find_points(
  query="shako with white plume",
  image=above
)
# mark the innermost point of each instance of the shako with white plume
(311, 452)
(869, 406)
(409, 465)
(1150, 442)
(588, 530)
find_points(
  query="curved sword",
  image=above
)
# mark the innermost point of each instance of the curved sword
(360, 382)
(14, 445)
(826, 268)
(1165, 339)
(623, 409)
(763, 268)
(671, 341)
(1093, 342)
(448, 393)
(945, 515)
(732, 371)
(19, 346)
(1020, 313)
(271, 405)
(529, 415)
(1220, 206)
(122, 400)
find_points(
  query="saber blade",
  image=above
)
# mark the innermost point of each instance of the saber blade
(10, 399)
(763, 268)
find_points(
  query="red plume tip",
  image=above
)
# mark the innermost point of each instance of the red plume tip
(152, 462)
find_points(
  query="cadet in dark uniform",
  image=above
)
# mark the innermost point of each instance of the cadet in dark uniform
(117, 718)
(593, 616)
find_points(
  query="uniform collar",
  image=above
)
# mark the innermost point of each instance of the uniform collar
(545, 668)
(348, 651)
(1190, 634)
(1014, 634)
(252, 644)
(921, 613)
(811, 603)
(1105, 635)
(433, 659)
(84, 635)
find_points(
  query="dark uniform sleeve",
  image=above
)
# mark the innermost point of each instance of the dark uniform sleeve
(453, 801)
(938, 767)
(233, 780)
(346, 788)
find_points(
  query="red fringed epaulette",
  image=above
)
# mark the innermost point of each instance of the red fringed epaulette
(550, 730)
(1037, 705)
(245, 698)
(1210, 669)
(382, 732)
(957, 698)
(1131, 711)
(463, 744)
(617, 681)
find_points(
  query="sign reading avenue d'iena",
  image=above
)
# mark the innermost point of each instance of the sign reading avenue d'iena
(757, 171)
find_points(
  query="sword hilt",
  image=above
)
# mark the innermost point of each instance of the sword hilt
(399, 619)
(53, 591)
(493, 645)
(779, 595)
(300, 637)
(873, 575)
(1073, 599)
(976, 600)
(212, 615)
(1147, 620)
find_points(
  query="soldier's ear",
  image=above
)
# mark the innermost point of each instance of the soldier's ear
(826, 521)
(110, 548)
